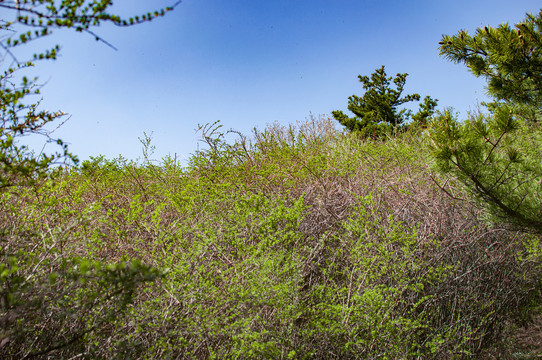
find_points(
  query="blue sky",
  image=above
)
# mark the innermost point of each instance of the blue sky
(249, 63)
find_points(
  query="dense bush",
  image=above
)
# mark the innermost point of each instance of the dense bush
(294, 243)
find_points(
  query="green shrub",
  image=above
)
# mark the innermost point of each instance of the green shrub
(300, 242)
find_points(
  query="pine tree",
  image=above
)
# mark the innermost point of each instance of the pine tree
(376, 112)
(497, 155)
(510, 59)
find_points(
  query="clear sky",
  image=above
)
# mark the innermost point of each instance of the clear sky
(252, 62)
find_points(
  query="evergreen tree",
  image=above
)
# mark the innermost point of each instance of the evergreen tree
(376, 112)
(510, 59)
(497, 155)
(426, 111)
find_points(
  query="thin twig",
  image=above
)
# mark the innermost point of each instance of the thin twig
(443, 189)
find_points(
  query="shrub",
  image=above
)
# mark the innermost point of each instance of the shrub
(299, 243)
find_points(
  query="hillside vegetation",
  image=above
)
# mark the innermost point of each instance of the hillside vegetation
(295, 243)
(409, 236)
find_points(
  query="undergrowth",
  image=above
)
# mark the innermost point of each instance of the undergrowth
(293, 243)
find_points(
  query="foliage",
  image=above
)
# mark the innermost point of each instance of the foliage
(52, 300)
(46, 313)
(509, 59)
(376, 112)
(19, 116)
(298, 242)
(497, 155)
